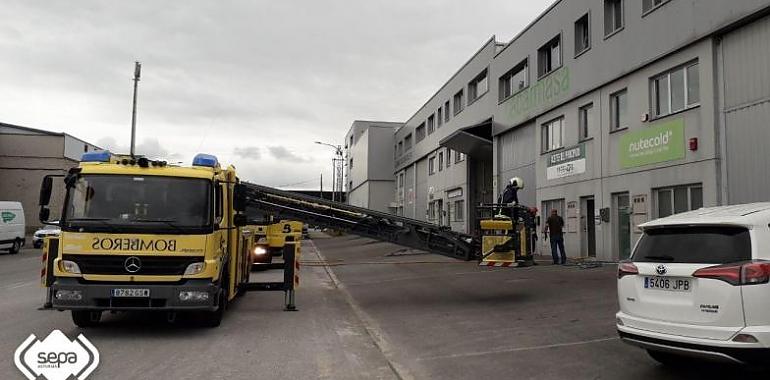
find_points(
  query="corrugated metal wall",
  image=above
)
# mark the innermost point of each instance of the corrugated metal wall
(745, 57)
(517, 148)
(517, 153)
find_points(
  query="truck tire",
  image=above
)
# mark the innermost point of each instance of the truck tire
(214, 318)
(86, 318)
(16, 247)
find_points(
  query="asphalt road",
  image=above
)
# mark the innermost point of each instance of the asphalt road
(373, 312)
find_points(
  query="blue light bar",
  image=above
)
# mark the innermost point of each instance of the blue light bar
(96, 156)
(202, 159)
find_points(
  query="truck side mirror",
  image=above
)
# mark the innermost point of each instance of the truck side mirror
(45, 213)
(240, 220)
(45, 191)
(239, 197)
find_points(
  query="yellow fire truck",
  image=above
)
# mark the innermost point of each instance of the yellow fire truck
(269, 239)
(139, 234)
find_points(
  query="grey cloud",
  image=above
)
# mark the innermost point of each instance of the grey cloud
(284, 154)
(249, 152)
(149, 147)
(217, 75)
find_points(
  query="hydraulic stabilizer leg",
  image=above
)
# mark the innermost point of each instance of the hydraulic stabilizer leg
(290, 273)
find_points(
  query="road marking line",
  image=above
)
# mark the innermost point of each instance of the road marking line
(374, 332)
(518, 349)
(19, 285)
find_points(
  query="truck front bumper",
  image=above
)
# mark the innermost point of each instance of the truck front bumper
(70, 294)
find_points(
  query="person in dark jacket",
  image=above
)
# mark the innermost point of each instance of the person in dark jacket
(555, 226)
(511, 193)
(510, 197)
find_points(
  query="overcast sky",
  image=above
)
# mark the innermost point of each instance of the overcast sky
(253, 82)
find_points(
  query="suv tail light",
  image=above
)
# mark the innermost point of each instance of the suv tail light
(626, 268)
(750, 273)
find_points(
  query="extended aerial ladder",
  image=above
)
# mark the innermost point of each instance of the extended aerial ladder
(361, 221)
(386, 227)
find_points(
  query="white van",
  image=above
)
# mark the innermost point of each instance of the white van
(698, 285)
(12, 226)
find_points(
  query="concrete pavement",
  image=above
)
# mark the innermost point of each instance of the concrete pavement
(257, 339)
(367, 310)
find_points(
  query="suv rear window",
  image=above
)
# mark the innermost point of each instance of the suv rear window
(695, 245)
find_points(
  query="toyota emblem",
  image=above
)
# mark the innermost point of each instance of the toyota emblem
(661, 269)
(132, 264)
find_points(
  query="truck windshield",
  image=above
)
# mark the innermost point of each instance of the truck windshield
(139, 203)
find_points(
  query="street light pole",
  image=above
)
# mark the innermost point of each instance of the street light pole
(336, 169)
(137, 74)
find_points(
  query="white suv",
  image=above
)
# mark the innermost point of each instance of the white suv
(697, 285)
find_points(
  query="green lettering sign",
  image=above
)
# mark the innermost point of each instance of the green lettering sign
(659, 143)
(7, 216)
(544, 93)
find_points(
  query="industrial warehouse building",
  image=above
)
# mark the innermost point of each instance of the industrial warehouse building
(614, 112)
(26, 156)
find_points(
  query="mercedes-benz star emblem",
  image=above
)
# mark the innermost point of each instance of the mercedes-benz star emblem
(132, 264)
(661, 269)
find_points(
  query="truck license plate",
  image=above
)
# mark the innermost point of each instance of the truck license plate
(131, 293)
(671, 284)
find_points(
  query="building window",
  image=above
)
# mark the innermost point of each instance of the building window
(514, 80)
(432, 210)
(619, 110)
(582, 34)
(395, 151)
(408, 142)
(351, 163)
(350, 186)
(674, 200)
(440, 161)
(613, 16)
(459, 104)
(549, 56)
(400, 150)
(585, 120)
(431, 124)
(459, 213)
(431, 165)
(478, 87)
(85, 148)
(351, 141)
(419, 132)
(439, 117)
(553, 134)
(448, 157)
(446, 111)
(675, 90)
(459, 157)
(650, 5)
(400, 180)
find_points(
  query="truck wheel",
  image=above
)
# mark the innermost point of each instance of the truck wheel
(86, 318)
(214, 318)
(16, 247)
